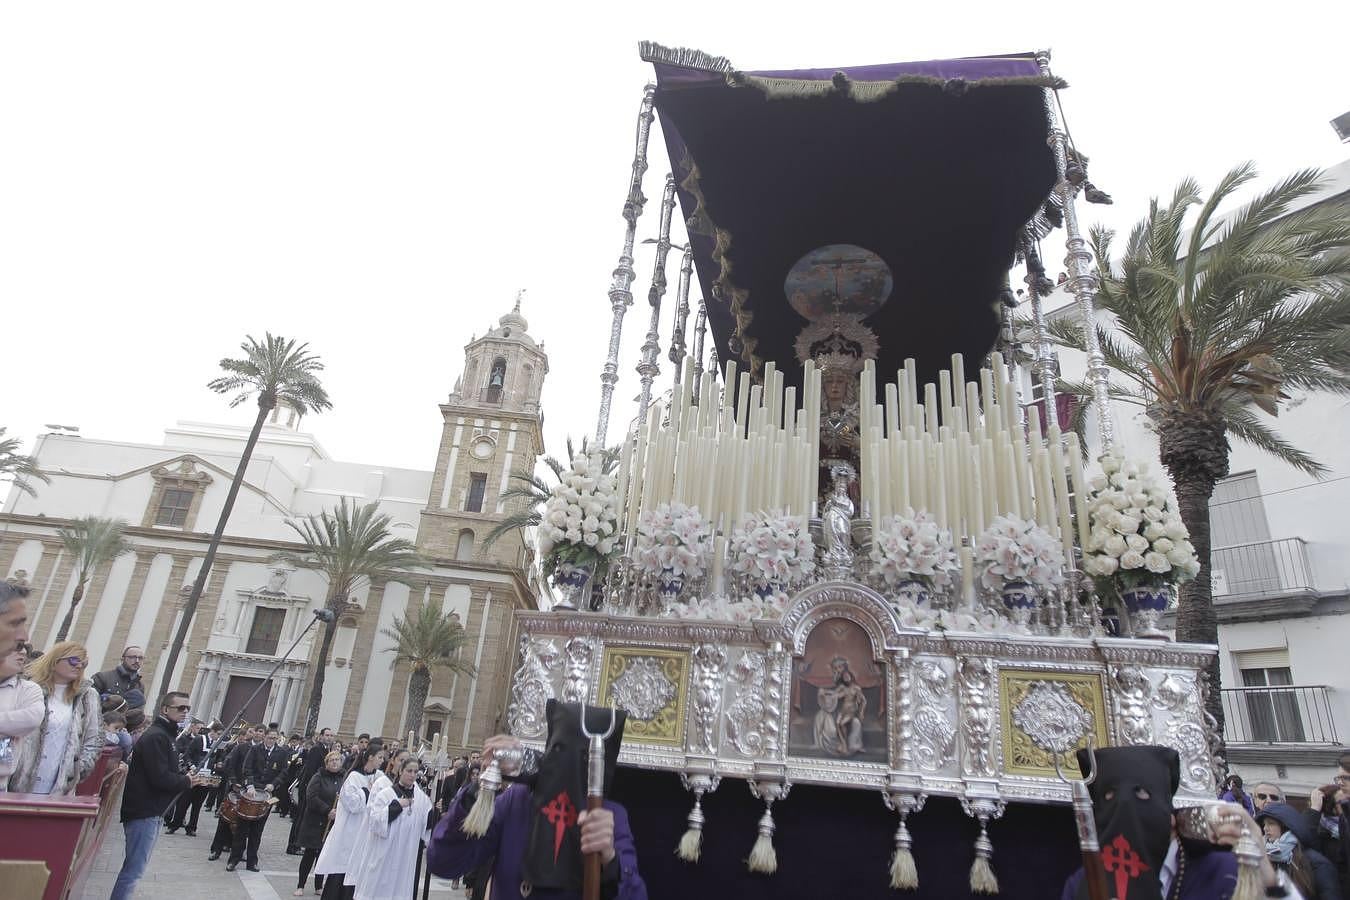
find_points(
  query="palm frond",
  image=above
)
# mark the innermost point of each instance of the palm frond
(1244, 423)
(18, 468)
(429, 638)
(350, 545)
(91, 541)
(275, 369)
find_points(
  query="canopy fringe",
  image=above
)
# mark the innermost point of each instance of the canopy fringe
(652, 52)
(872, 91)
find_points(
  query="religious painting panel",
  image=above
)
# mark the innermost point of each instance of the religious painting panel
(652, 687)
(838, 696)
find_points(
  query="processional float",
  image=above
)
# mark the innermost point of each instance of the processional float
(829, 561)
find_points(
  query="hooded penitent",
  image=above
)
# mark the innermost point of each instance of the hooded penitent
(553, 850)
(1132, 803)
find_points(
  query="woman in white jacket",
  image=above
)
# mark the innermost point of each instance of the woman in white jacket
(21, 711)
(350, 822)
(398, 817)
(58, 756)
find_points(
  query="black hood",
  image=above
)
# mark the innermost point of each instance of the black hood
(1132, 803)
(1291, 819)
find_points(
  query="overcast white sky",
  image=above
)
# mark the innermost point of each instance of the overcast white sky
(379, 179)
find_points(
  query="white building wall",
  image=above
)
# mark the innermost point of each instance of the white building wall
(380, 668)
(152, 597)
(106, 612)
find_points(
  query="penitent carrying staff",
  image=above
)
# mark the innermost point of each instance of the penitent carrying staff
(540, 829)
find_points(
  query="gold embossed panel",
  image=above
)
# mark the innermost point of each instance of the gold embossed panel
(1048, 709)
(652, 686)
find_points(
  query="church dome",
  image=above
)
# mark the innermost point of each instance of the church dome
(514, 321)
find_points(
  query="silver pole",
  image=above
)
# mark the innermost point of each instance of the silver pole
(647, 368)
(677, 347)
(700, 331)
(1082, 279)
(620, 295)
(1044, 365)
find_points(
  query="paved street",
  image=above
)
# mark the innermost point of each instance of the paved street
(179, 868)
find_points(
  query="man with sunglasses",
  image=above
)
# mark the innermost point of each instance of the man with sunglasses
(153, 781)
(1265, 793)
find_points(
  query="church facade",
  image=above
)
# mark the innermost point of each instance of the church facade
(255, 609)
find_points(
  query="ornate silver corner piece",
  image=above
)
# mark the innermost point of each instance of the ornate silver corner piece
(934, 731)
(576, 683)
(976, 677)
(709, 662)
(531, 687)
(1050, 716)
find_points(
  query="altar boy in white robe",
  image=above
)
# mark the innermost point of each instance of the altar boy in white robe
(361, 846)
(399, 816)
(350, 824)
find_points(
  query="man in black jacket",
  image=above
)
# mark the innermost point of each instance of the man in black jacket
(195, 748)
(124, 680)
(153, 780)
(232, 778)
(313, 763)
(263, 767)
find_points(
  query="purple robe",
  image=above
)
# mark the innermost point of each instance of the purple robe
(1209, 876)
(453, 854)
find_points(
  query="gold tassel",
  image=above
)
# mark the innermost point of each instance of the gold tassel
(763, 859)
(904, 873)
(982, 877)
(1248, 853)
(477, 822)
(692, 842)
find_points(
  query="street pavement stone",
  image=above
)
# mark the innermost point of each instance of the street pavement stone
(179, 868)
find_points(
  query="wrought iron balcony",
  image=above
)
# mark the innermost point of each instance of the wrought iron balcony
(1260, 569)
(1286, 714)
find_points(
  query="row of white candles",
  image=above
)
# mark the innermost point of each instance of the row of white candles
(962, 454)
(761, 454)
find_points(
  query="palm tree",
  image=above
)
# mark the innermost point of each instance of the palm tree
(1216, 327)
(277, 370)
(91, 542)
(349, 545)
(18, 468)
(427, 640)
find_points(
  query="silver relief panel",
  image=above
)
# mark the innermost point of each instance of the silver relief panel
(935, 725)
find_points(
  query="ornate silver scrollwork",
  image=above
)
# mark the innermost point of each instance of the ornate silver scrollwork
(532, 687)
(1179, 695)
(643, 688)
(1051, 717)
(576, 683)
(934, 731)
(1131, 692)
(745, 714)
(709, 661)
(976, 676)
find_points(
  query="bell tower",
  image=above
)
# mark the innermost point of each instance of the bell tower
(492, 427)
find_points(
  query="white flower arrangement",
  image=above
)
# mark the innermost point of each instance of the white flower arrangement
(1013, 549)
(1136, 536)
(672, 543)
(580, 518)
(722, 608)
(772, 549)
(911, 546)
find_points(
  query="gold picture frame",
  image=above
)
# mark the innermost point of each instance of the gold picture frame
(652, 686)
(1076, 694)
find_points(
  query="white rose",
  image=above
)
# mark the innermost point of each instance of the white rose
(1157, 563)
(1107, 566)
(573, 535)
(1153, 514)
(1155, 532)
(1132, 559)
(1163, 545)
(1110, 464)
(1115, 545)
(1118, 479)
(1127, 525)
(1179, 557)
(1176, 531)
(1136, 542)
(591, 539)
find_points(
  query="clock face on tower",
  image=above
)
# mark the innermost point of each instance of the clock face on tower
(482, 448)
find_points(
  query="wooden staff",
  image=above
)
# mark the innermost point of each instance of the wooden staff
(595, 798)
(1094, 873)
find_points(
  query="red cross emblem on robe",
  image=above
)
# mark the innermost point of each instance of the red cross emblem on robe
(1119, 858)
(561, 813)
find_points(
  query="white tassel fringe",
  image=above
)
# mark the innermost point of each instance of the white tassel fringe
(982, 877)
(691, 844)
(479, 819)
(763, 858)
(904, 873)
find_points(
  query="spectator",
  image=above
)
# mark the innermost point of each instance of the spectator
(124, 680)
(314, 761)
(57, 756)
(13, 615)
(320, 811)
(152, 782)
(1323, 818)
(21, 708)
(1264, 793)
(1289, 846)
(1343, 820)
(349, 826)
(115, 733)
(1232, 793)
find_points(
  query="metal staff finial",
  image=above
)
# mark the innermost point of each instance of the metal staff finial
(648, 368)
(1082, 279)
(620, 293)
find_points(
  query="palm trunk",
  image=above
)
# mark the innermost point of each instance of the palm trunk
(419, 685)
(265, 405)
(1195, 452)
(70, 613)
(320, 669)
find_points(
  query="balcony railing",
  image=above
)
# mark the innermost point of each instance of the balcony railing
(1261, 569)
(1287, 714)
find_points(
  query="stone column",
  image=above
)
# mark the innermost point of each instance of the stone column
(360, 661)
(169, 605)
(135, 587)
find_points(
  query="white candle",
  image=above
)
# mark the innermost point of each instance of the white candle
(968, 576)
(930, 404)
(1080, 495)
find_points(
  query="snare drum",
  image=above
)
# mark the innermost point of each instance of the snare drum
(229, 808)
(253, 806)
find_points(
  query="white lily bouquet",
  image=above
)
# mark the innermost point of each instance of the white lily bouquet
(580, 518)
(672, 544)
(1014, 550)
(912, 547)
(772, 551)
(1136, 537)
